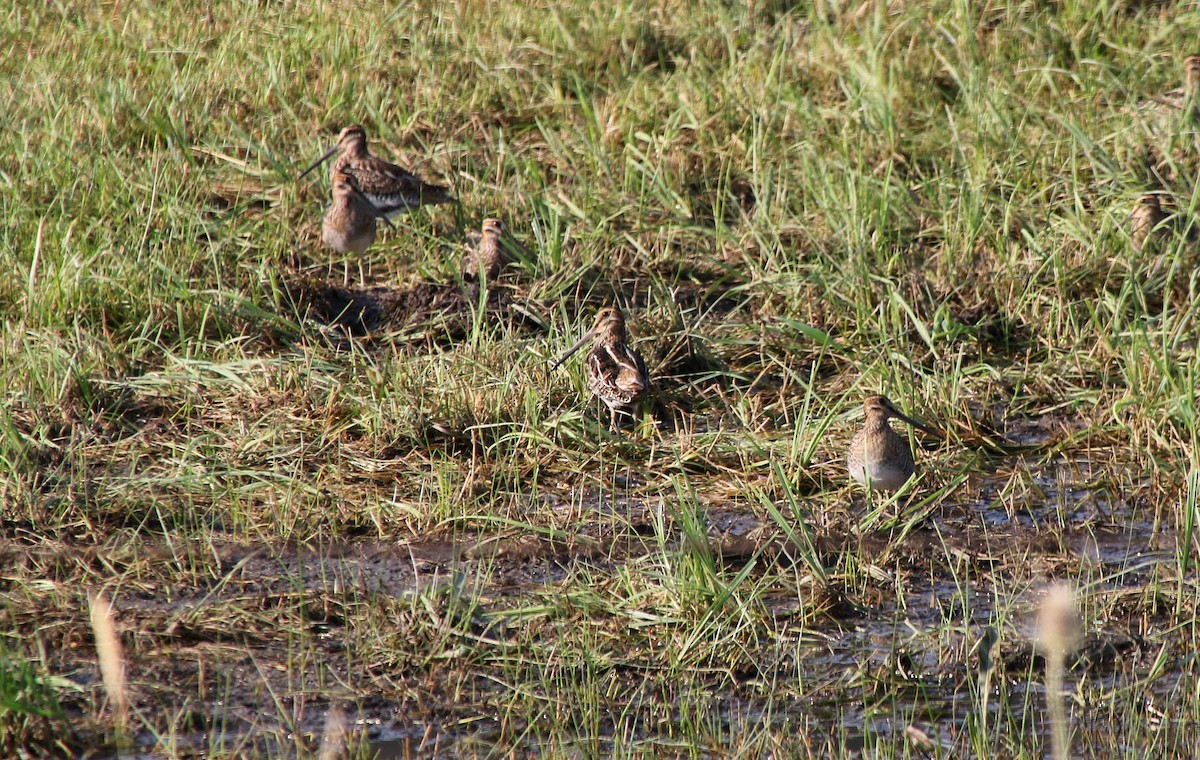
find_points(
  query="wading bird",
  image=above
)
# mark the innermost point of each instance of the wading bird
(879, 458)
(1185, 98)
(390, 189)
(1147, 215)
(616, 373)
(349, 224)
(488, 257)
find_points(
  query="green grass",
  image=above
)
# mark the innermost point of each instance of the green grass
(797, 204)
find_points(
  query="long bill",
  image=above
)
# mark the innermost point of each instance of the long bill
(578, 345)
(915, 423)
(324, 157)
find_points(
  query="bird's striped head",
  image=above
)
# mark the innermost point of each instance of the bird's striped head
(610, 322)
(352, 139)
(880, 409)
(1191, 74)
(492, 227)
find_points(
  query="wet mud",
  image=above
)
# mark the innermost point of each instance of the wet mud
(250, 600)
(422, 313)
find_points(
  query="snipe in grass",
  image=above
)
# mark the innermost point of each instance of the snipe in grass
(1145, 219)
(390, 189)
(616, 373)
(488, 256)
(879, 458)
(349, 224)
(1191, 89)
(1186, 97)
(1191, 75)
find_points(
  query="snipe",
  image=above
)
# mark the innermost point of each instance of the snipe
(1186, 97)
(879, 458)
(488, 256)
(616, 373)
(390, 189)
(1145, 219)
(349, 223)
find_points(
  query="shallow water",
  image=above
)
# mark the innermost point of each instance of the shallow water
(907, 653)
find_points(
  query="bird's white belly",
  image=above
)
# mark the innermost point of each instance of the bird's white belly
(881, 476)
(349, 242)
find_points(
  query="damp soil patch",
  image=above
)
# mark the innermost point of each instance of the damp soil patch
(459, 642)
(424, 313)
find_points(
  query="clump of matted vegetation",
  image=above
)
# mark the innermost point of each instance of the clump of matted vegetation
(313, 487)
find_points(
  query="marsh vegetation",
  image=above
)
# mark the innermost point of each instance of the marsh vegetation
(334, 495)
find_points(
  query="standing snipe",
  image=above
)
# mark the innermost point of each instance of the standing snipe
(879, 458)
(1191, 89)
(389, 188)
(1186, 97)
(488, 257)
(615, 372)
(1191, 75)
(349, 224)
(1147, 215)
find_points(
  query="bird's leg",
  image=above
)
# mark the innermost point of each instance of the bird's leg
(869, 516)
(600, 412)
